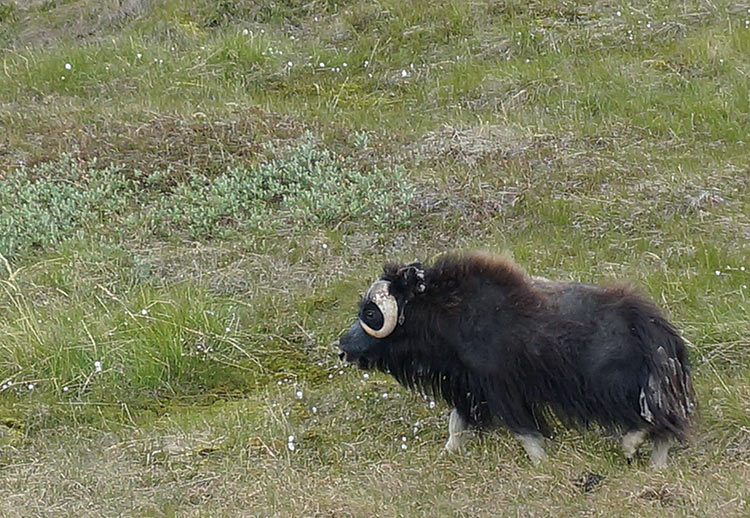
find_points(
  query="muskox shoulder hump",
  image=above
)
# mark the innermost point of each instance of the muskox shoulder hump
(499, 269)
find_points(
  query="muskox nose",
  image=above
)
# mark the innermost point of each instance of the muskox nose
(351, 345)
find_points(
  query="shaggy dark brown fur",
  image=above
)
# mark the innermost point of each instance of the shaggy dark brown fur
(500, 346)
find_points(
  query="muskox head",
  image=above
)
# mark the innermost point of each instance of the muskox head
(381, 314)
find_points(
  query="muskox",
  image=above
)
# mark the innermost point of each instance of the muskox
(501, 347)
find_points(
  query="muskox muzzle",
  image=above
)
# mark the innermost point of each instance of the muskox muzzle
(357, 347)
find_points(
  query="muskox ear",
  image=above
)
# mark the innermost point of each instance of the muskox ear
(413, 277)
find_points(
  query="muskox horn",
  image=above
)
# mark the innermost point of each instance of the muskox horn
(386, 303)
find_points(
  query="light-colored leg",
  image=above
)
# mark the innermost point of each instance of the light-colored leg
(660, 452)
(534, 446)
(457, 432)
(631, 441)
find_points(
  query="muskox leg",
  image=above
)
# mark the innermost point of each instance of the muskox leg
(457, 435)
(660, 452)
(631, 441)
(533, 443)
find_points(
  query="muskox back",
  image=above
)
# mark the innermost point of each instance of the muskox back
(500, 346)
(629, 361)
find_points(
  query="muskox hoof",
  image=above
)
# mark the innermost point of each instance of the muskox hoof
(631, 441)
(455, 444)
(660, 453)
(534, 446)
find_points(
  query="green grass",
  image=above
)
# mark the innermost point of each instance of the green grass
(193, 195)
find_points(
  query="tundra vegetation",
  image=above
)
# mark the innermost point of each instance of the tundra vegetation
(193, 192)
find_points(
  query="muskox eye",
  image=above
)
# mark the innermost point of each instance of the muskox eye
(372, 316)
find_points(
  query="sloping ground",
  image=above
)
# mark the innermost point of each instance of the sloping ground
(195, 193)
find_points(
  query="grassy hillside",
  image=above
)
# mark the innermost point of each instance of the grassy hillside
(194, 193)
